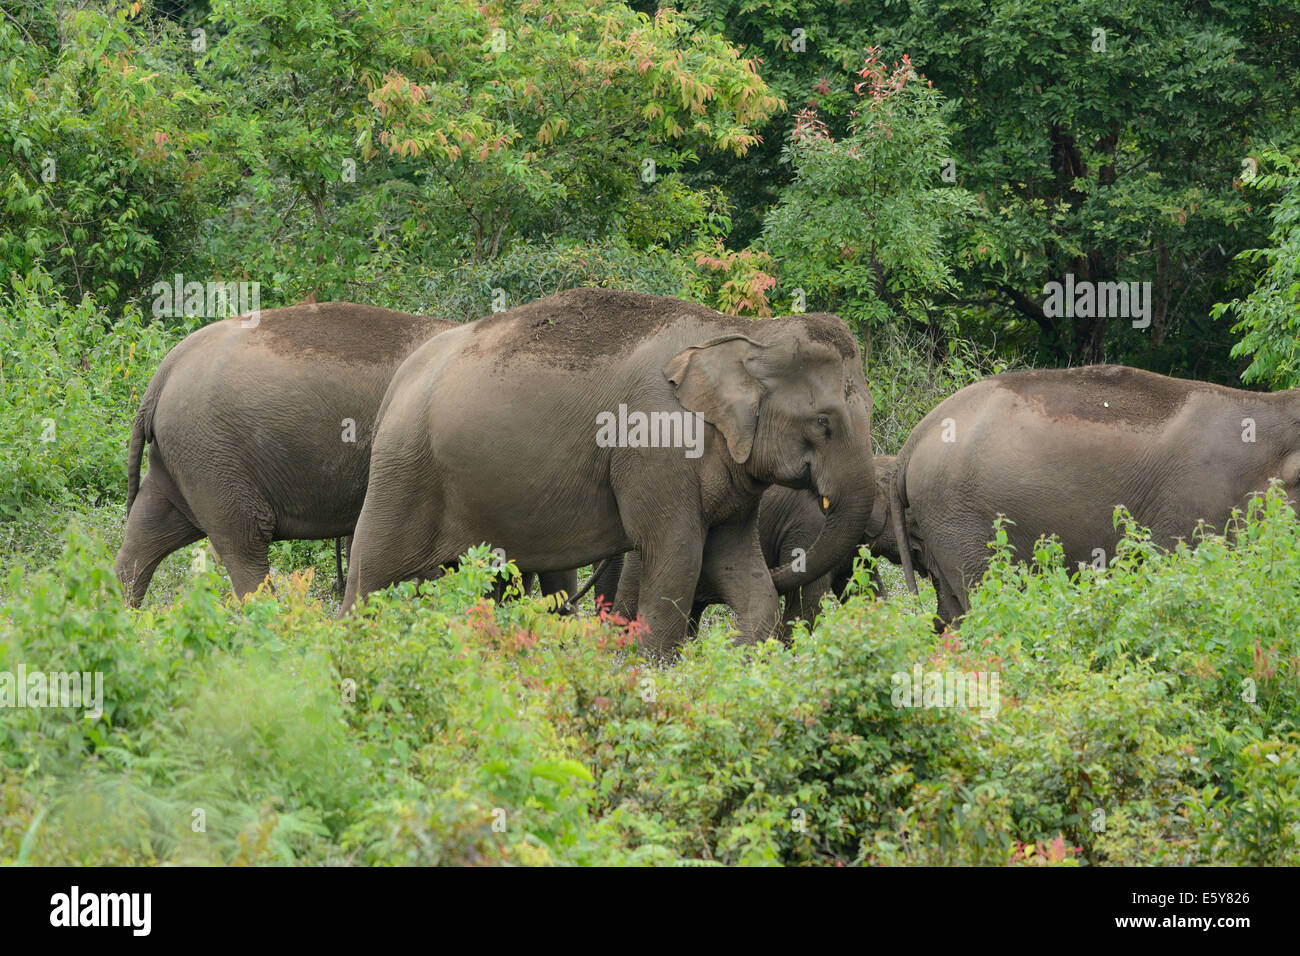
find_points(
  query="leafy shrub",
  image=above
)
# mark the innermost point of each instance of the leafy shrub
(434, 726)
(101, 130)
(911, 373)
(1266, 317)
(70, 382)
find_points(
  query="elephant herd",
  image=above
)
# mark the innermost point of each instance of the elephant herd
(709, 458)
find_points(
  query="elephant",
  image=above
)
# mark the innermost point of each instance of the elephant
(631, 421)
(259, 429)
(789, 521)
(1057, 450)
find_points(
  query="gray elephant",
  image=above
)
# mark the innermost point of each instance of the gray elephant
(789, 521)
(1056, 451)
(630, 422)
(259, 429)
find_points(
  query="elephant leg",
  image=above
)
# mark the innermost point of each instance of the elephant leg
(629, 585)
(245, 557)
(342, 551)
(606, 586)
(154, 529)
(843, 575)
(877, 583)
(951, 602)
(400, 533)
(362, 582)
(240, 524)
(693, 622)
(670, 571)
(559, 582)
(735, 571)
(802, 604)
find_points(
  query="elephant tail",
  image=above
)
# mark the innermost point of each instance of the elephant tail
(142, 432)
(896, 515)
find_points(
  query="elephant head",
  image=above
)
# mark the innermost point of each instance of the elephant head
(794, 410)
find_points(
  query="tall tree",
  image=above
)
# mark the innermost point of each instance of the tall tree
(450, 128)
(866, 226)
(1269, 317)
(1102, 142)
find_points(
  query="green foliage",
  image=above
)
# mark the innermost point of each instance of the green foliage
(100, 130)
(1269, 317)
(528, 271)
(1208, 637)
(315, 150)
(1259, 822)
(70, 380)
(910, 374)
(1120, 163)
(1220, 617)
(436, 727)
(421, 135)
(1118, 160)
(865, 228)
(737, 283)
(372, 153)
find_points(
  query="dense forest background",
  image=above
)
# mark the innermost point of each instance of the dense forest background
(923, 169)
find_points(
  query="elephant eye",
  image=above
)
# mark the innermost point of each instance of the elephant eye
(824, 423)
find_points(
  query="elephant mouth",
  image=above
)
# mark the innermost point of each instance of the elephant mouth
(806, 482)
(806, 478)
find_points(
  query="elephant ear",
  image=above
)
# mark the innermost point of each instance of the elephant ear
(884, 468)
(879, 517)
(714, 380)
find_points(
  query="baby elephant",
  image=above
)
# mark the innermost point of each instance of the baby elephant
(1056, 451)
(259, 429)
(789, 520)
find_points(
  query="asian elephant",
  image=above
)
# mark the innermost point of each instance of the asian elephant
(259, 429)
(629, 421)
(1056, 451)
(789, 521)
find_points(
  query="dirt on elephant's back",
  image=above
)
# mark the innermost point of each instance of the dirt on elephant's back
(1106, 393)
(575, 327)
(344, 332)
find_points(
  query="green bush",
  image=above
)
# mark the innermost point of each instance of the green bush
(910, 374)
(436, 727)
(528, 271)
(70, 381)
(102, 130)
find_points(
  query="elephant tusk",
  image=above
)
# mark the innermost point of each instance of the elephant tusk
(826, 503)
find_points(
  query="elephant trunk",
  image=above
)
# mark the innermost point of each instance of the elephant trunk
(849, 511)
